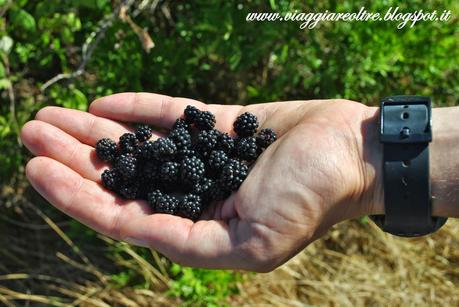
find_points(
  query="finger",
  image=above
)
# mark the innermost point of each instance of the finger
(84, 126)
(209, 244)
(82, 199)
(155, 109)
(44, 139)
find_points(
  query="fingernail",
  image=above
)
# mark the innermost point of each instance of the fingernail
(136, 242)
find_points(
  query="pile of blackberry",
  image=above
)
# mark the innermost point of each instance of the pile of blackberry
(185, 172)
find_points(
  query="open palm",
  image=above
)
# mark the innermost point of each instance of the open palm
(317, 174)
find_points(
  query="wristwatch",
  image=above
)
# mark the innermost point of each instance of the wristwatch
(405, 132)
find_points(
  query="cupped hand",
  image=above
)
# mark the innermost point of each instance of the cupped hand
(320, 171)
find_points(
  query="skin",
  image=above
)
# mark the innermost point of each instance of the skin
(323, 169)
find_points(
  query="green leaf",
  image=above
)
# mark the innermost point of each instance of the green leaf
(24, 20)
(2, 70)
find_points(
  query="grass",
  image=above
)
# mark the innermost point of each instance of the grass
(355, 264)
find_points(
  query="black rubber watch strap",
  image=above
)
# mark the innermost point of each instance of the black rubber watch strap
(406, 133)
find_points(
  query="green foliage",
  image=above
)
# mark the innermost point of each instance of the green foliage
(200, 287)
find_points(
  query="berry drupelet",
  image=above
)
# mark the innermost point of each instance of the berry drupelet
(246, 124)
(266, 137)
(106, 149)
(153, 197)
(143, 133)
(181, 123)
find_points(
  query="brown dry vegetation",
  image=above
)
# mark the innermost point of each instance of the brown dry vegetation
(355, 264)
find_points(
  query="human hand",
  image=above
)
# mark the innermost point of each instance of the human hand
(320, 171)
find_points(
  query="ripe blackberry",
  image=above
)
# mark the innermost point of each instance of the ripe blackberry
(164, 149)
(181, 138)
(143, 133)
(217, 192)
(153, 197)
(217, 159)
(233, 174)
(190, 207)
(166, 204)
(191, 113)
(126, 165)
(202, 187)
(110, 179)
(246, 124)
(225, 142)
(151, 170)
(146, 150)
(246, 148)
(106, 149)
(206, 140)
(128, 143)
(129, 190)
(266, 137)
(181, 123)
(169, 171)
(192, 170)
(204, 121)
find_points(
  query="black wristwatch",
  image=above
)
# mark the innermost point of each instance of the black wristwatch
(405, 132)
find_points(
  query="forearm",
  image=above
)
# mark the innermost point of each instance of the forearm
(444, 162)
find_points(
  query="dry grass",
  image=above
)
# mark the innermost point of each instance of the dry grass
(354, 264)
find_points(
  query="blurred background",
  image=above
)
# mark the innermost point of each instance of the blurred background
(68, 52)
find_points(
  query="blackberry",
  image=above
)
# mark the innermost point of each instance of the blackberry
(217, 192)
(266, 137)
(225, 142)
(146, 150)
(151, 170)
(191, 113)
(143, 133)
(190, 207)
(153, 197)
(166, 204)
(169, 171)
(192, 170)
(164, 149)
(217, 159)
(106, 149)
(129, 190)
(110, 179)
(126, 165)
(246, 148)
(128, 143)
(246, 124)
(181, 123)
(203, 186)
(233, 174)
(181, 138)
(206, 140)
(204, 121)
